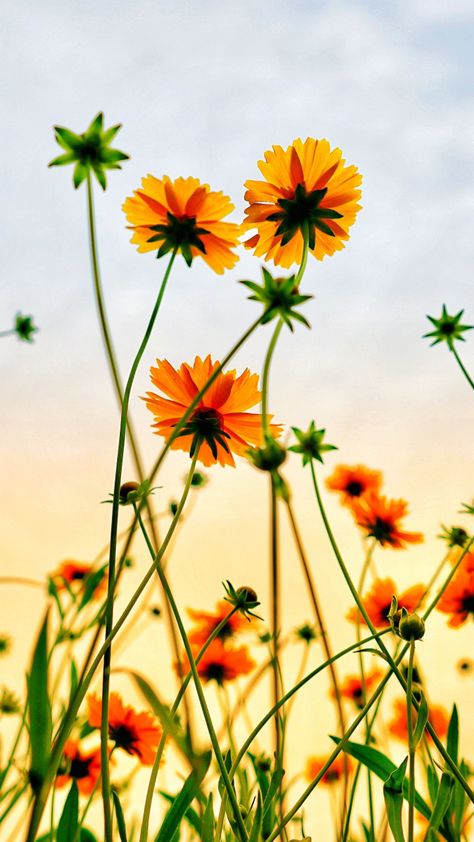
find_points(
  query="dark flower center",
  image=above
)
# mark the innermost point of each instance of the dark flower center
(205, 425)
(123, 737)
(78, 575)
(468, 603)
(302, 211)
(180, 233)
(354, 488)
(447, 328)
(215, 672)
(80, 767)
(382, 531)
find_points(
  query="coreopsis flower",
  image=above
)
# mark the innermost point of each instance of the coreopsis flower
(378, 602)
(279, 297)
(447, 328)
(186, 216)
(334, 774)
(89, 151)
(458, 598)
(310, 443)
(207, 621)
(220, 424)
(467, 562)
(352, 688)
(221, 664)
(136, 733)
(353, 481)
(9, 703)
(380, 518)
(24, 327)
(78, 765)
(76, 575)
(398, 726)
(455, 536)
(307, 187)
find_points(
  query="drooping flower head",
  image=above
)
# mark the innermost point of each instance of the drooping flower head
(378, 602)
(220, 425)
(81, 766)
(458, 598)
(207, 621)
(221, 664)
(398, 726)
(334, 774)
(136, 733)
(307, 186)
(380, 518)
(353, 690)
(353, 481)
(185, 215)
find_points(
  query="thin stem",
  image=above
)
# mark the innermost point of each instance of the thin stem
(411, 746)
(265, 376)
(365, 569)
(462, 367)
(275, 616)
(7, 332)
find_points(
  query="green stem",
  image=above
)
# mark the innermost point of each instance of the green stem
(275, 617)
(197, 682)
(12, 803)
(265, 377)
(411, 747)
(365, 569)
(461, 366)
(7, 332)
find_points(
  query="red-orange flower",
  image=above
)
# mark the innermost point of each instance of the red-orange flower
(220, 663)
(353, 481)
(76, 573)
(352, 689)
(378, 601)
(307, 186)
(380, 519)
(335, 772)
(136, 733)
(184, 215)
(398, 726)
(83, 767)
(220, 423)
(458, 598)
(208, 621)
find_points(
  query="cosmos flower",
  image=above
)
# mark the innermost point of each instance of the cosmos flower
(221, 664)
(76, 574)
(185, 215)
(398, 726)
(352, 689)
(220, 424)
(378, 602)
(136, 733)
(208, 621)
(307, 186)
(353, 481)
(83, 767)
(335, 772)
(380, 518)
(458, 598)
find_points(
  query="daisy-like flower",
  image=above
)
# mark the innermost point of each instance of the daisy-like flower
(136, 733)
(76, 574)
(78, 765)
(380, 518)
(221, 664)
(185, 215)
(398, 726)
(208, 621)
(220, 425)
(353, 481)
(458, 598)
(378, 602)
(334, 774)
(352, 688)
(307, 187)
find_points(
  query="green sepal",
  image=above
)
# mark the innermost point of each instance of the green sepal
(69, 821)
(183, 800)
(421, 721)
(443, 800)
(39, 709)
(122, 829)
(452, 745)
(393, 796)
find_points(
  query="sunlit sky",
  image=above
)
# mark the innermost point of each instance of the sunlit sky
(204, 89)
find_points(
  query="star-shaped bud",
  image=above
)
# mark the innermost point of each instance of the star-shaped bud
(447, 328)
(467, 508)
(310, 443)
(89, 151)
(279, 296)
(24, 327)
(243, 598)
(455, 536)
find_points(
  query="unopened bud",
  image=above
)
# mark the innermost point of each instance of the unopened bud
(411, 626)
(127, 489)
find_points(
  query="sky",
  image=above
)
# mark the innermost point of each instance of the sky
(204, 89)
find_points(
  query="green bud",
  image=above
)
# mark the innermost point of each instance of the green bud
(269, 457)
(411, 626)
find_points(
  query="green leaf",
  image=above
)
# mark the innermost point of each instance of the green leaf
(191, 816)
(393, 795)
(160, 710)
(256, 828)
(207, 825)
(269, 813)
(122, 829)
(73, 680)
(443, 799)
(422, 719)
(87, 835)
(69, 821)
(433, 783)
(39, 709)
(183, 800)
(452, 745)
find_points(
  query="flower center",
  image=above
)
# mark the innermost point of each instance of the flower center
(180, 233)
(123, 737)
(79, 768)
(468, 603)
(382, 531)
(215, 672)
(205, 425)
(354, 488)
(303, 212)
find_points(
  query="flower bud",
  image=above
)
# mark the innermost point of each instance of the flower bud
(269, 457)
(411, 626)
(127, 489)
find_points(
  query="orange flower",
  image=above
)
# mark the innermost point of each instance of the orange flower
(221, 664)
(208, 621)
(378, 601)
(76, 573)
(83, 767)
(352, 687)
(468, 561)
(136, 733)
(184, 215)
(220, 423)
(353, 481)
(458, 598)
(335, 772)
(306, 186)
(398, 726)
(380, 518)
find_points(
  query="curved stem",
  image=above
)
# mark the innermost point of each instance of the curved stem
(411, 747)
(462, 367)
(266, 374)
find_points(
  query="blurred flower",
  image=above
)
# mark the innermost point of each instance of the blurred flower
(467, 562)
(465, 666)
(380, 518)
(186, 216)
(310, 443)
(24, 327)
(219, 425)
(455, 536)
(306, 186)
(306, 633)
(335, 772)
(221, 664)
(447, 328)
(136, 733)
(437, 717)
(378, 602)
(83, 767)
(353, 481)
(5, 644)
(77, 574)
(199, 480)
(458, 598)
(352, 688)
(208, 621)
(89, 151)
(9, 703)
